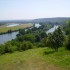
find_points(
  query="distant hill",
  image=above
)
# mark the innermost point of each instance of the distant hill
(53, 20)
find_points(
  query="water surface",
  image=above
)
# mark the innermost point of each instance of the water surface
(12, 25)
(52, 29)
(37, 25)
(8, 37)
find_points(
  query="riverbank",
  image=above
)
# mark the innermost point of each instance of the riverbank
(4, 29)
(8, 36)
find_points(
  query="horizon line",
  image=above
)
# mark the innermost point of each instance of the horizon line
(32, 19)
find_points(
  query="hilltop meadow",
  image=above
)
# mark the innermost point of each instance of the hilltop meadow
(34, 49)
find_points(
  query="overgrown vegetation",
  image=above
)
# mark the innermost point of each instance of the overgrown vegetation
(37, 37)
(35, 49)
(67, 31)
(56, 39)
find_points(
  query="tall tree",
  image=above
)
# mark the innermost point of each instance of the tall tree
(56, 39)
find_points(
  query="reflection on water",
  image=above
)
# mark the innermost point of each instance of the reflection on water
(12, 25)
(52, 29)
(8, 37)
(37, 25)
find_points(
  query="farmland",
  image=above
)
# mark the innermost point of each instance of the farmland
(4, 28)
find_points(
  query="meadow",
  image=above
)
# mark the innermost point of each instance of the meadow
(4, 28)
(36, 59)
(35, 50)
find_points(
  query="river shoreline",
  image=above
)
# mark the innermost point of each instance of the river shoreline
(4, 29)
(5, 37)
(8, 32)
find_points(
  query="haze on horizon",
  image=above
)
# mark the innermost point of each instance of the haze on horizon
(31, 9)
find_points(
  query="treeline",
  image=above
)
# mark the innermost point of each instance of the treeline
(67, 31)
(37, 37)
(26, 39)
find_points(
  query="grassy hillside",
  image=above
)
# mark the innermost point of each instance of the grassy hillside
(36, 59)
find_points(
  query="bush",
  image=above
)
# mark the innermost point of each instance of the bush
(19, 45)
(41, 45)
(9, 48)
(29, 37)
(26, 45)
(2, 49)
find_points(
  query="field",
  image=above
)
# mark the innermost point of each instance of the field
(36, 59)
(4, 29)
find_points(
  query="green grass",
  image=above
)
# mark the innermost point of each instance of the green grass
(36, 59)
(4, 29)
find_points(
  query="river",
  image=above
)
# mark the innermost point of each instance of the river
(9, 36)
(52, 29)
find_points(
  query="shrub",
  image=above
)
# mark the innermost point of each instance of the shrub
(26, 45)
(9, 48)
(2, 49)
(41, 45)
(19, 46)
(29, 37)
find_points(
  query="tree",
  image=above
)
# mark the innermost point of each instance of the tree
(20, 38)
(10, 31)
(29, 37)
(67, 28)
(43, 34)
(37, 38)
(28, 31)
(68, 43)
(22, 31)
(56, 39)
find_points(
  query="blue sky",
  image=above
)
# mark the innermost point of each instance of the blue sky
(31, 9)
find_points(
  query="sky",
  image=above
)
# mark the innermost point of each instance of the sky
(32, 9)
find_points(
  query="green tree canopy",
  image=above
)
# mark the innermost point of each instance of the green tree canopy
(56, 39)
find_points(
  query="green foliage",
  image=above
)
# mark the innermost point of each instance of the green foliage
(29, 37)
(40, 45)
(44, 41)
(22, 31)
(67, 28)
(2, 49)
(26, 45)
(68, 43)
(56, 39)
(19, 46)
(37, 38)
(9, 48)
(26, 39)
(20, 38)
(34, 29)
(28, 31)
(43, 34)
